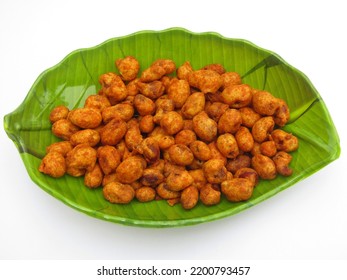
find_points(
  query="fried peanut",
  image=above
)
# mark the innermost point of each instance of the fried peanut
(157, 70)
(268, 148)
(171, 122)
(108, 158)
(123, 111)
(282, 160)
(97, 101)
(215, 153)
(244, 139)
(112, 177)
(185, 137)
(262, 129)
(163, 106)
(193, 105)
(150, 149)
(227, 145)
(151, 177)
(264, 166)
(209, 196)
(53, 164)
(64, 129)
(237, 96)
(133, 136)
(113, 87)
(184, 70)
(229, 122)
(181, 154)
(200, 150)
(231, 79)
(112, 133)
(130, 170)
(237, 189)
(166, 141)
(249, 116)
(248, 173)
(58, 113)
(128, 67)
(81, 156)
(265, 103)
(152, 90)
(187, 124)
(85, 117)
(94, 177)
(158, 165)
(189, 197)
(215, 171)
(179, 180)
(215, 110)
(204, 127)
(62, 147)
(145, 194)
(214, 97)
(75, 171)
(205, 80)
(178, 92)
(196, 164)
(132, 88)
(282, 114)
(285, 141)
(237, 163)
(116, 192)
(85, 136)
(146, 124)
(165, 193)
(144, 105)
(199, 178)
(215, 67)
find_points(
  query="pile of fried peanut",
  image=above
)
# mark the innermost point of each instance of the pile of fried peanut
(172, 133)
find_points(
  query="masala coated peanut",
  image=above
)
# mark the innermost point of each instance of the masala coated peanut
(282, 160)
(237, 189)
(128, 67)
(265, 103)
(178, 91)
(285, 141)
(81, 156)
(116, 192)
(205, 80)
(237, 96)
(264, 166)
(130, 170)
(58, 113)
(85, 136)
(108, 158)
(189, 197)
(145, 194)
(215, 171)
(53, 164)
(85, 117)
(62, 147)
(204, 127)
(94, 177)
(209, 196)
(64, 129)
(193, 105)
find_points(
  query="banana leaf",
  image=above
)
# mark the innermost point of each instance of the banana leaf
(73, 79)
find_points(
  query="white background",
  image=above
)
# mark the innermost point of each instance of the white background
(306, 221)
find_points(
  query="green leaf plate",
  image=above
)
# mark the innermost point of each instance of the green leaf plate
(72, 80)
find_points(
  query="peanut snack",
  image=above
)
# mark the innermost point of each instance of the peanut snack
(190, 138)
